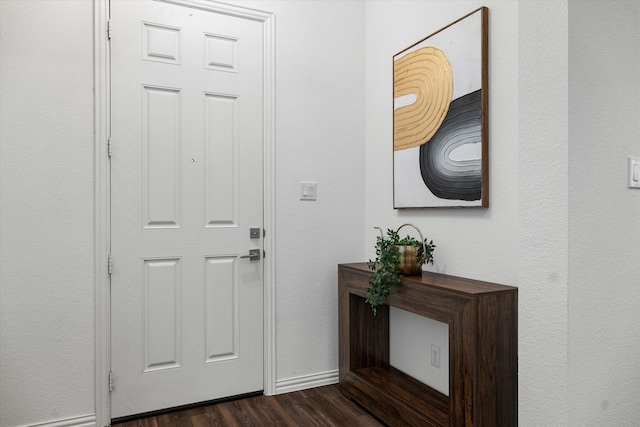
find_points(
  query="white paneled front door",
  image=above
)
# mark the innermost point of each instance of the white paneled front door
(187, 187)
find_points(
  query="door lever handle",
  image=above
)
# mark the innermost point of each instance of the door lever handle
(254, 255)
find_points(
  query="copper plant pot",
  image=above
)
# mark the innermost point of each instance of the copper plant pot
(410, 264)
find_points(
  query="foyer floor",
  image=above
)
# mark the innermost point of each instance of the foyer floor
(322, 407)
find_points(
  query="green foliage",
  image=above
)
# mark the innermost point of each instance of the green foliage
(386, 265)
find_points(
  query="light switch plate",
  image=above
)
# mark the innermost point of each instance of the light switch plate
(634, 172)
(308, 190)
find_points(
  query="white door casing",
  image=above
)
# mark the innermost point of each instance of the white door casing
(187, 311)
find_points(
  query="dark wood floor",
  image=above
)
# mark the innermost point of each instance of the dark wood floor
(321, 407)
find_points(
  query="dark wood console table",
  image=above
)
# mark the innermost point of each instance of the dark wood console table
(483, 350)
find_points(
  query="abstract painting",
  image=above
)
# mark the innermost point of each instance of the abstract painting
(440, 118)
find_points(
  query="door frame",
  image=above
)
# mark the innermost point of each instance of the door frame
(102, 191)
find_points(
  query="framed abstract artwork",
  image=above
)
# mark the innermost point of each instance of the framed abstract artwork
(440, 118)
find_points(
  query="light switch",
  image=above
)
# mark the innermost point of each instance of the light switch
(308, 190)
(634, 172)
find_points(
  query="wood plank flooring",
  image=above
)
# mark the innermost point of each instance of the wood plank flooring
(319, 407)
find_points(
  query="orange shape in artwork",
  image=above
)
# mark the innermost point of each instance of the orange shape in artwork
(425, 73)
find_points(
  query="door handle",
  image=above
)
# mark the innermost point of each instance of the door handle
(254, 255)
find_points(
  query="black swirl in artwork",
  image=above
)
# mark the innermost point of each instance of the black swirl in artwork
(445, 177)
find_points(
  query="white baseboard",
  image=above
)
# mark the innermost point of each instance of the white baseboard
(282, 386)
(83, 421)
(306, 381)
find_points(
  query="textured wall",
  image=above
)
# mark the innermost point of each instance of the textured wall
(557, 154)
(542, 212)
(391, 27)
(47, 358)
(562, 226)
(319, 137)
(46, 174)
(604, 215)
(475, 243)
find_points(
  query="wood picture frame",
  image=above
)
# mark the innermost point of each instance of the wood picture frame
(441, 117)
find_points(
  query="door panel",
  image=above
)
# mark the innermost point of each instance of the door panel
(161, 163)
(221, 311)
(187, 309)
(161, 314)
(221, 159)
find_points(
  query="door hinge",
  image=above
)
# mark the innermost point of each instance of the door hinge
(110, 381)
(109, 152)
(109, 29)
(110, 264)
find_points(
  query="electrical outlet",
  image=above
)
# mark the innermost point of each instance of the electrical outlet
(435, 356)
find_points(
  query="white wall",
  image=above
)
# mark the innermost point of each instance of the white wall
(391, 27)
(604, 215)
(477, 243)
(319, 137)
(47, 356)
(555, 198)
(46, 248)
(542, 212)
(553, 195)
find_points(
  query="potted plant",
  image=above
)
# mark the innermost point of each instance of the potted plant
(396, 257)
